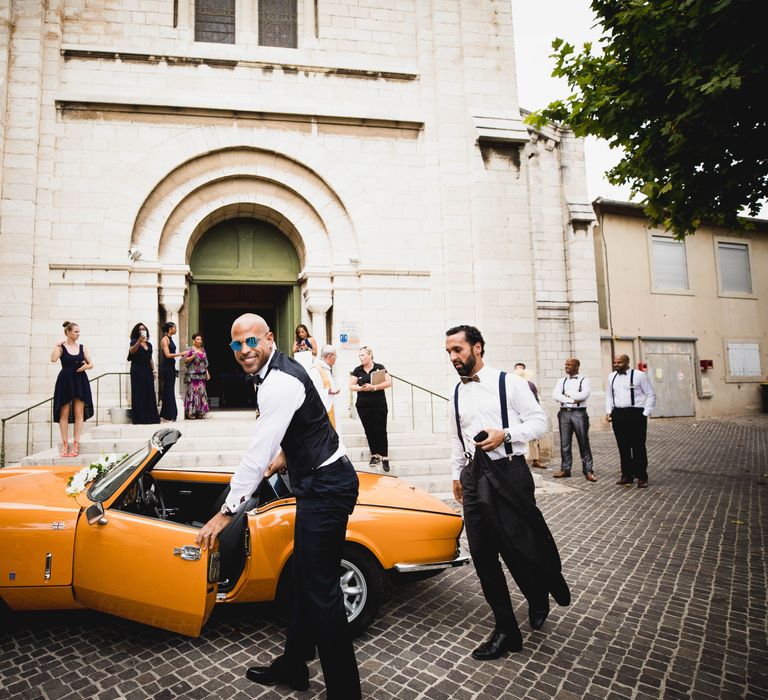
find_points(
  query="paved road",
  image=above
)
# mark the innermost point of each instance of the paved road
(669, 588)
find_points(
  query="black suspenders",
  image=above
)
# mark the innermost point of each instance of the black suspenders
(504, 413)
(631, 388)
(581, 381)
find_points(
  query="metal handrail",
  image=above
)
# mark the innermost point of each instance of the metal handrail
(432, 395)
(51, 421)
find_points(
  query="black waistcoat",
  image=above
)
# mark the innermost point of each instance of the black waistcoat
(310, 438)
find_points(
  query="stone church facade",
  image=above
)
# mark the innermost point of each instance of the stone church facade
(359, 166)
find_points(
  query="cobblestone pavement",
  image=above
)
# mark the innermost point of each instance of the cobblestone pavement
(669, 600)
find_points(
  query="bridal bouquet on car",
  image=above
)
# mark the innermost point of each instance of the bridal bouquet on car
(79, 480)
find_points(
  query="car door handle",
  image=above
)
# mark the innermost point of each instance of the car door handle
(189, 552)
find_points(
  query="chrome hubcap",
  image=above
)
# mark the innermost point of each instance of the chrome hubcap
(353, 589)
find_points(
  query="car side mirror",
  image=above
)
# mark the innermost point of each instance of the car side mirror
(95, 514)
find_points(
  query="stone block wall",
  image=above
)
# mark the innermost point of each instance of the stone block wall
(123, 134)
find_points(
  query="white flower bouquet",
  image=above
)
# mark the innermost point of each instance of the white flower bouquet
(79, 480)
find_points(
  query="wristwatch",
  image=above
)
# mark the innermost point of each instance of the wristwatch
(225, 510)
(507, 436)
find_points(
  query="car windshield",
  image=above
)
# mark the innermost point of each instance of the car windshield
(106, 485)
(272, 488)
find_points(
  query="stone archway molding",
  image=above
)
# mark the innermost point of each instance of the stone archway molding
(208, 188)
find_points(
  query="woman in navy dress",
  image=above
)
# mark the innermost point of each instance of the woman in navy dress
(303, 341)
(168, 355)
(72, 402)
(143, 373)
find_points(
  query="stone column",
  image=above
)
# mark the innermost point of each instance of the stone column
(173, 285)
(318, 297)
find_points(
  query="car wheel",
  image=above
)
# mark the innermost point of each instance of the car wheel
(362, 588)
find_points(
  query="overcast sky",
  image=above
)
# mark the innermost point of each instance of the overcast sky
(536, 24)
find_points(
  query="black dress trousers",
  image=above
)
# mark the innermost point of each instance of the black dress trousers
(630, 428)
(373, 416)
(488, 542)
(324, 502)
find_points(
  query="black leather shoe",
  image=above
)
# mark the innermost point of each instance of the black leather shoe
(559, 590)
(277, 672)
(498, 644)
(537, 617)
(385, 465)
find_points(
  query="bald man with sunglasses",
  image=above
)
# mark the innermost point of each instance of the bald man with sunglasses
(293, 431)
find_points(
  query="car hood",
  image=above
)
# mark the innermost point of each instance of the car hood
(393, 492)
(37, 486)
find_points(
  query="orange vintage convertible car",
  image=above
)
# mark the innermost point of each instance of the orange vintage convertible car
(126, 544)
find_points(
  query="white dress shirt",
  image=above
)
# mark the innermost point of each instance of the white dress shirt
(618, 394)
(567, 391)
(280, 395)
(480, 408)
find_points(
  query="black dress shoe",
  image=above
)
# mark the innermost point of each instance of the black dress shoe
(538, 616)
(296, 678)
(498, 644)
(559, 590)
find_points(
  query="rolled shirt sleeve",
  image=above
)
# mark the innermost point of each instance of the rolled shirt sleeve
(649, 393)
(609, 394)
(557, 393)
(479, 408)
(279, 397)
(586, 390)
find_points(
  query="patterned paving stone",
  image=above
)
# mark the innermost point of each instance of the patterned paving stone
(669, 600)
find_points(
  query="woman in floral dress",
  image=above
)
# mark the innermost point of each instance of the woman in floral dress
(196, 363)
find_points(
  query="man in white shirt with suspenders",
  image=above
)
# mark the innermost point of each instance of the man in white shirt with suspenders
(572, 392)
(629, 400)
(494, 415)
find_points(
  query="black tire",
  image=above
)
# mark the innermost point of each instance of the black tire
(362, 582)
(362, 585)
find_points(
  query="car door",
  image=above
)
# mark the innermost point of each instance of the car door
(145, 569)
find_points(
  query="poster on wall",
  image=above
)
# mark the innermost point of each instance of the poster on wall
(349, 334)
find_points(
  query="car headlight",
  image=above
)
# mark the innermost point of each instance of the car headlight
(214, 567)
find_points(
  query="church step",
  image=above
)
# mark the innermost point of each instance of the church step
(356, 444)
(201, 458)
(230, 426)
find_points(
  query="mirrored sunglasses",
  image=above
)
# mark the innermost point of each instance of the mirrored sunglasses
(251, 342)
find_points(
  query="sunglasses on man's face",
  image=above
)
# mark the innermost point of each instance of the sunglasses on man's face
(251, 342)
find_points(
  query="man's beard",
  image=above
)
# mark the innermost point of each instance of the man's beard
(466, 369)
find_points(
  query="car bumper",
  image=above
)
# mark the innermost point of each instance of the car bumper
(460, 559)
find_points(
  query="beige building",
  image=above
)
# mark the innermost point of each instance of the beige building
(359, 166)
(693, 311)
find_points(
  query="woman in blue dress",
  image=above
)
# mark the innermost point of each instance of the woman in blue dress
(143, 373)
(72, 402)
(168, 355)
(304, 342)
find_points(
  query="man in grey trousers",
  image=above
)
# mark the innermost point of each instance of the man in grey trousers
(572, 392)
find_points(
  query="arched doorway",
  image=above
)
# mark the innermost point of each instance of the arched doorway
(241, 265)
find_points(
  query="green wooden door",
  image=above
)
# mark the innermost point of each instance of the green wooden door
(239, 266)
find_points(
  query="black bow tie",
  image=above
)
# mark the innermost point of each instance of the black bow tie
(621, 371)
(467, 380)
(253, 379)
